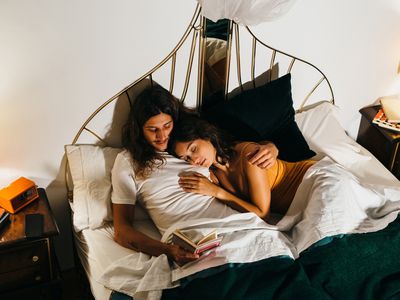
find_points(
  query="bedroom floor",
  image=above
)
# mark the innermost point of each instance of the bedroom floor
(74, 287)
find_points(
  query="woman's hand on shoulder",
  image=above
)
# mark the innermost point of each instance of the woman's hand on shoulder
(180, 255)
(263, 156)
(199, 184)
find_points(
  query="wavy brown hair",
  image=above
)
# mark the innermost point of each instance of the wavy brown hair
(150, 102)
(191, 127)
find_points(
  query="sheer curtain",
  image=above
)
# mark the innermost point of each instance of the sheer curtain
(245, 12)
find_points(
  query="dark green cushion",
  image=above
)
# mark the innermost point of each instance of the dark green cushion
(263, 113)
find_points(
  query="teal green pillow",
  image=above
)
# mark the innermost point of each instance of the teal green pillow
(263, 113)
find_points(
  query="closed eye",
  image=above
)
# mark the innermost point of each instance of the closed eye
(193, 149)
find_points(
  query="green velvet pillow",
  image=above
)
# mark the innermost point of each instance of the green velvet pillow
(263, 113)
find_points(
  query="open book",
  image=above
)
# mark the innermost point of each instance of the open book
(205, 243)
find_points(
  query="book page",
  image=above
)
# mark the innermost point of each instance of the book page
(193, 234)
(184, 237)
(209, 237)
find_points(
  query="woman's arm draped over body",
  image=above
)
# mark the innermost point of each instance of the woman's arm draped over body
(247, 180)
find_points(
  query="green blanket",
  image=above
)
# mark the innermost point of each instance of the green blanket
(356, 266)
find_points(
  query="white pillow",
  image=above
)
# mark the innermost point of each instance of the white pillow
(90, 167)
(324, 134)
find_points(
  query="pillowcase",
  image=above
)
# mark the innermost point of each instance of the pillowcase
(263, 113)
(90, 168)
(322, 130)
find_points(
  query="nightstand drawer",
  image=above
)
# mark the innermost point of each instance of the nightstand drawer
(24, 264)
(23, 277)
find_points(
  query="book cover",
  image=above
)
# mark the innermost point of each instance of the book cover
(391, 108)
(381, 120)
(206, 242)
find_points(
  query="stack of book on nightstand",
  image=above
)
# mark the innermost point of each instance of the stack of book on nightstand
(388, 116)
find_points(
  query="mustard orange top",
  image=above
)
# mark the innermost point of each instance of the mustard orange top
(283, 178)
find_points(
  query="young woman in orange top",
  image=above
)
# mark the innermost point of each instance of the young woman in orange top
(234, 180)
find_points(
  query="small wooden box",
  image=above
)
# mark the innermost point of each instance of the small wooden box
(18, 194)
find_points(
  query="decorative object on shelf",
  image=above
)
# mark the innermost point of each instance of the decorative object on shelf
(245, 12)
(391, 108)
(18, 194)
(382, 120)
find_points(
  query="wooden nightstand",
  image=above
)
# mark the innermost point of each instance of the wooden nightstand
(28, 267)
(381, 142)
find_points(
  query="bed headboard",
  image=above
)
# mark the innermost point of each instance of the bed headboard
(243, 67)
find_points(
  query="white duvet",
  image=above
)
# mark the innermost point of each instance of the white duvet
(329, 201)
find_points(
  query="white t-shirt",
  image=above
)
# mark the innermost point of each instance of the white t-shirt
(160, 193)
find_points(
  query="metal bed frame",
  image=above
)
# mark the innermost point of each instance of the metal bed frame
(196, 30)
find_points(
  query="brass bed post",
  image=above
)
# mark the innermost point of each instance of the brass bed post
(271, 64)
(228, 59)
(291, 65)
(172, 76)
(190, 63)
(253, 60)
(237, 44)
(200, 70)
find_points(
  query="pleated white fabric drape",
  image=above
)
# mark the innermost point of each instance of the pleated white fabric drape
(245, 12)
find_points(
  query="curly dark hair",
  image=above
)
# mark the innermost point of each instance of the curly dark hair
(150, 102)
(191, 127)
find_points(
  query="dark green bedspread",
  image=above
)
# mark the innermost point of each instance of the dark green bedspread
(356, 266)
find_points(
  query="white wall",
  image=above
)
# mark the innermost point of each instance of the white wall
(59, 60)
(355, 43)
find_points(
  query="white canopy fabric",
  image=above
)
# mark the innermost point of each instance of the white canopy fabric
(245, 12)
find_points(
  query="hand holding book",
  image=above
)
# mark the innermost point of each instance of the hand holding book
(207, 242)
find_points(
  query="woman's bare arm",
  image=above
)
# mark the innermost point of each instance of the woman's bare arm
(264, 156)
(260, 209)
(259, 192)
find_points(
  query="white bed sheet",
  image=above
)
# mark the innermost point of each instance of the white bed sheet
(329, 201)
(322, 131)
(97, 250)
